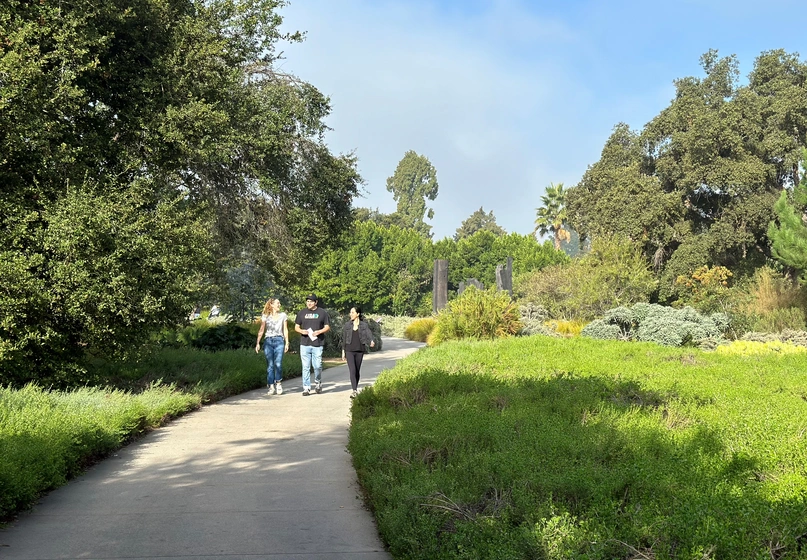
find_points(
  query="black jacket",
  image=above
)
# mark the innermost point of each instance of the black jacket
(365, 334)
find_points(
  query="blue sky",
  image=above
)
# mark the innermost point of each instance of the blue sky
(507, 96)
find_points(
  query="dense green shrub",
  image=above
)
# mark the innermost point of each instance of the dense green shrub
(603, 330)
(420, 329)
(333, 338)
(657, 323)
(226, 336)
(477, 314)
(375, 328)
(611, 274)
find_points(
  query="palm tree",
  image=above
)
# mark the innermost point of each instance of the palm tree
(551, 217)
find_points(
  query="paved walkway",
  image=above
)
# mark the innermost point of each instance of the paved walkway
(254, 476)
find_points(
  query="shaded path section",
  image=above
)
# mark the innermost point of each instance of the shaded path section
(253, 476)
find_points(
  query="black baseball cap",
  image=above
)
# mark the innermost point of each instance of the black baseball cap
(312, 296)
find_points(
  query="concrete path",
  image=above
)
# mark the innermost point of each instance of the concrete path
(254, 476)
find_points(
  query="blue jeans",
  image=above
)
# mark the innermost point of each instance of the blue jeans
(311, 356)
(273, 349)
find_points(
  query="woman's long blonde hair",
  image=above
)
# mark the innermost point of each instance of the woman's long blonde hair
(267, 309)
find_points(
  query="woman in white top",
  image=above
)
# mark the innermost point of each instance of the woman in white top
(273, 323)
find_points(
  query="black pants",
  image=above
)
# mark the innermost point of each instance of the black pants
(354, 365)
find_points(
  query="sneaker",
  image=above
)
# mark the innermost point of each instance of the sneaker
(271, 389)
(279, 388)
(318, 387)
(353, 394)
(306, 391)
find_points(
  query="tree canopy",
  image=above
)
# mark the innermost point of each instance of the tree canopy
(789, 236)
(552, 216)
(413, 183)
(697, 185)
(478, 221)
(141, 141)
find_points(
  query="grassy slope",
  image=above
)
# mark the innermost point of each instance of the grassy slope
(553, 448)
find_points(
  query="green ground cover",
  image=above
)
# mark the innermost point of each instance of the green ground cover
(538, 447)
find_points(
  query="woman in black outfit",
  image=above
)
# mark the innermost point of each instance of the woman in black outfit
(356, 337)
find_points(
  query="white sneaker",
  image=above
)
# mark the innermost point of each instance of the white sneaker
(318, 387)
(354, 394)
(306, 391)
(279, 388)
(271, 389)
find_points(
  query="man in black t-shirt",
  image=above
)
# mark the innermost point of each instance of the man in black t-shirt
(312, 323)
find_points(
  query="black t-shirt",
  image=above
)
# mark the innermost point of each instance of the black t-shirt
(314, 319)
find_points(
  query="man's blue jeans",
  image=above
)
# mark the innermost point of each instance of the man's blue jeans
(273, 349)
(311, 356)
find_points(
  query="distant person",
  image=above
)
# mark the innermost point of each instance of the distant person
(356, 337)
(312, 323)
(214, 312)
(276, 343)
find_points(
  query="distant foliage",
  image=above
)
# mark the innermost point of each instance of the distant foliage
(482, 314)
(706, 289)
(774, 303)
(777, 320)
(797, 337)
(384, 269)
(333, 338)
(375, 328)
(420, 329)
(391, 325)
(659, 324)
(612, 273)
(227, 336)
(476, 256)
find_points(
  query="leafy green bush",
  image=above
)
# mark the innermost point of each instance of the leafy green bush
(657, 323)
(420, 329)
(375, 328)
(226, 336)
(477, 314)
(333, 338)
(603, 330)
(612, 273)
